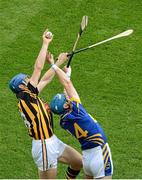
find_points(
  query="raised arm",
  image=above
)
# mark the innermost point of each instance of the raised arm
(39, 63)
(48, 76)
(65, 80)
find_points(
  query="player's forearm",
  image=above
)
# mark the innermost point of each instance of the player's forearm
(48, 76)
(39, 64)
(62, 76)
(66, 82)
(46, 79)
(66, 94)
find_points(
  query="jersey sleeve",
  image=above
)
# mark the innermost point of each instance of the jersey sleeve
(75, 104)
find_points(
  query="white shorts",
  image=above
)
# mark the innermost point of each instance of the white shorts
(46, 152)
(97, 162)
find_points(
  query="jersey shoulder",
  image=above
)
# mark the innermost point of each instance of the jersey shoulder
(76, 104)
(28, 92)
(32, 88)
(75, 100)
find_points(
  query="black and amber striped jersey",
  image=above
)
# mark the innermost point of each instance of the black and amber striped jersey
(36, 118)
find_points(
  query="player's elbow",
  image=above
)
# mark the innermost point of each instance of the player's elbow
(38, 67)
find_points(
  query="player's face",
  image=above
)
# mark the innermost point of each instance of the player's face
(22, 86)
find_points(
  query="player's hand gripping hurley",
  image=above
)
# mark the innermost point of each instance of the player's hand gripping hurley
(83, 25)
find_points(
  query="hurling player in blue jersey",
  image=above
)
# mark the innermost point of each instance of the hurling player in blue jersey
(97, 162)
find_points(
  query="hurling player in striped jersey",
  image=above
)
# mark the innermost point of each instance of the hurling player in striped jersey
(97, 161)
(47, 149)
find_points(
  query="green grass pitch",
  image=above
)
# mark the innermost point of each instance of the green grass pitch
(108, 78)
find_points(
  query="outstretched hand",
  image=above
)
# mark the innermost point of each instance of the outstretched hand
(49, 58)
(62, 58)
(46, 39)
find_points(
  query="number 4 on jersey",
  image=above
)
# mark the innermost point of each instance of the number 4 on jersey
(79, 132)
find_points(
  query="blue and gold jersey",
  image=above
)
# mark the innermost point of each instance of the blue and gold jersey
(83, 126)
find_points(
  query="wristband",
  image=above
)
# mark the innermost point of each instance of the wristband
(68, 74)
(54, 67)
